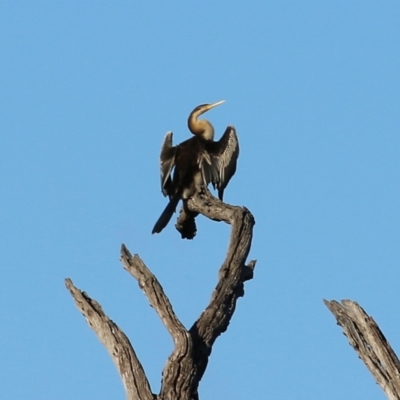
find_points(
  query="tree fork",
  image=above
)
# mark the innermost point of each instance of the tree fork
(187, 363)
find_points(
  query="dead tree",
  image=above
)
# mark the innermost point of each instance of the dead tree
(192, 347)
(370, 343)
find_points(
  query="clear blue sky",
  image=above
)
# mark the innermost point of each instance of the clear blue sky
(88, 90)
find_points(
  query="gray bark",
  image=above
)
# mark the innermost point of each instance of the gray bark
(192, 347)
(116, 343)
(370, 343)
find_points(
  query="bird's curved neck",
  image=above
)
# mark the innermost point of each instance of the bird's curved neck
(200, 127)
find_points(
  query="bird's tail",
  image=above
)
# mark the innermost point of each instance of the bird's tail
(166, 215)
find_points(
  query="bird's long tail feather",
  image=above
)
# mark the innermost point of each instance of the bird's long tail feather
(166, 215)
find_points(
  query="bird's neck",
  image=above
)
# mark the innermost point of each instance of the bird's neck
(201, 128)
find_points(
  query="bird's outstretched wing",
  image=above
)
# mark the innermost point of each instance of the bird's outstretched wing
(167, 163)
(224, 155)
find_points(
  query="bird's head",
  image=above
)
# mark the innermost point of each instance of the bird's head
(202, 127)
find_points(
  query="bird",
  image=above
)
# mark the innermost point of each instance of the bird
(196, 162)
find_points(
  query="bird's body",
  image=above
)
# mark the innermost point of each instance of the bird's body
(187, 175)
(196, 162)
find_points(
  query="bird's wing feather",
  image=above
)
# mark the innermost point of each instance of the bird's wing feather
(224, 155)
(167, 162)
(207, 167)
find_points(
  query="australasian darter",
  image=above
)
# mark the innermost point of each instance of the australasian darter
(196, 162)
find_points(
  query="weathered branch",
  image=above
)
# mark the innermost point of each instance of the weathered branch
(216, 317)
(188, 361)
(371, 345)
(153, 290)
(117, 344)
(186, 223)
(232, 274)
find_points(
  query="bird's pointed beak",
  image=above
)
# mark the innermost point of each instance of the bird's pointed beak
(210, 106)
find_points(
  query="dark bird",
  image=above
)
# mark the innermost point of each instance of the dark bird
(196, 162)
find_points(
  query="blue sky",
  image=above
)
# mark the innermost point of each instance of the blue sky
(88, 91)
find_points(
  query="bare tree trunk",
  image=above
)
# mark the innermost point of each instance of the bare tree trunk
(371, 345)
(192, 348)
